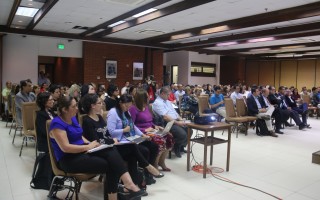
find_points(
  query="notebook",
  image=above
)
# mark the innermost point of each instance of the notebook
(165, 130)
(136, 139)
(102, 146)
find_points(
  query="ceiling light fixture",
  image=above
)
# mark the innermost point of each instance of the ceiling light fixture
(293, 47)
(27, 12)
(262, 49)
(214, 30)
(226, 44)
(144, 12)
(261, 39)
(117, 23)
(180, 36)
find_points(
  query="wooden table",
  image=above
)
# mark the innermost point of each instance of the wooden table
(209, 141)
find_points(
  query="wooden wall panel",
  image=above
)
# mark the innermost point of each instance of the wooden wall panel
(317, 73)
(252, 72)
(266, 73)
(288, 76)
(277, 74)
(306, 73)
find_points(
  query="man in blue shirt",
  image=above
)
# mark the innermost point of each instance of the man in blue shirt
(164, 108)
(216, 102)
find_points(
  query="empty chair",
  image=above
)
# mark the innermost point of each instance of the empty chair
(28, 129)
(231, 115)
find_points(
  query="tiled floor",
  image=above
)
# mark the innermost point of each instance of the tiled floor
(280, 166)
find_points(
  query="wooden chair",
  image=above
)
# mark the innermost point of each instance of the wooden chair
(76, 178)
(307, 99)
(242, 111)
(231, 115)
(14, 116)
(80, 118)
(28, 123)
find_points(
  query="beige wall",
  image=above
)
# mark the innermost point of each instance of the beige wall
(297, 73)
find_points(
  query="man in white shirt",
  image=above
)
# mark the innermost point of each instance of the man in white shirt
(125, 89)
(236, 94)
(179, 92)
(164, 108)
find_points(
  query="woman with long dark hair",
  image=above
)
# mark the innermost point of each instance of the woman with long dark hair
(70, 146)
(95, 129)
(121, 126)
(143, 119)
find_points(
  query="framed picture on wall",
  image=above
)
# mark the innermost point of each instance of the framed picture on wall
(137, 71)
(111, 69)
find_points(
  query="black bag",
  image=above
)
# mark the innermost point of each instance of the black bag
(42, 174)
(261, 127)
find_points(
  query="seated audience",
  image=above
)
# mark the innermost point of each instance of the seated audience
(74, 92)
(295, 95)
(85, 89)
(236, 94)
(189, 102)
(70, 146)
(216, 102)
(25, 95)
(179, 92)
(121, 126)
(125, 89)
(112, 100)
(45, 103)
(95, 129)
(301, 109)
(255, 109)
(164, 108)
(292, 113)
(55, 92)
(143, 119)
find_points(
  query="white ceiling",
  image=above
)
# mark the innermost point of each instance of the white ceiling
(66, 14)
(214, 12)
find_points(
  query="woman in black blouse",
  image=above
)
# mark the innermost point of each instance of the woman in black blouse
(45, 103)
(95, 128)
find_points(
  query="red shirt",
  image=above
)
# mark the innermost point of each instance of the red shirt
(171, 97)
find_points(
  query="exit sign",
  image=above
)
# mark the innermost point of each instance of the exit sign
(61, 46)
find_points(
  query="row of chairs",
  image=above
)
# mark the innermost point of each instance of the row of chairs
(27, 129)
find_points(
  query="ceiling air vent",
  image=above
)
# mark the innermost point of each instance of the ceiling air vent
(150, 32)
(127, 2)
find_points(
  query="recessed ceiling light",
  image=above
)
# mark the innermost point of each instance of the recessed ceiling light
(144, 12)
(293, 47)
(180, 36)
(215, 29)
(261, 39)
(226, 44)
(25, 11)
(29, 4)
(117, 23)
(20, 21)
(262, 49)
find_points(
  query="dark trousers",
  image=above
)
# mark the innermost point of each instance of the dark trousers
(106, 161)
(179, 135)
(277, 118)
(149, 150)
(132, 154)
(302, 111)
